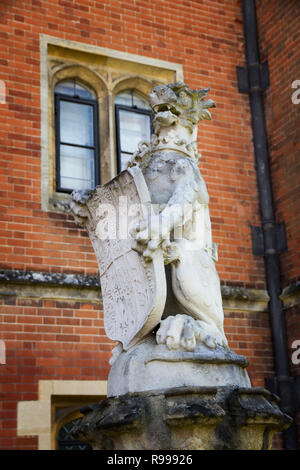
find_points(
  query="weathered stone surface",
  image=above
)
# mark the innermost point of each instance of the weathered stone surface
(193, 418)
(148, 366)
(46, 278)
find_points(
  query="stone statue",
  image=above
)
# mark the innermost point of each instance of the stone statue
(152, 215)
(182, 228)
(174, 383)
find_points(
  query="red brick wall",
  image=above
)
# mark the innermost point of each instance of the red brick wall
(249, 334)
(46, 340)
(279, 33)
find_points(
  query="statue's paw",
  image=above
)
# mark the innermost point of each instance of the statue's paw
(184, 332)
(161, 334)
(210, 341)
(209, 335)
(225, 343)
(172, 342)
(174, 332)
(170, 332)
(177, 333)
(116, 351)
(188, 340)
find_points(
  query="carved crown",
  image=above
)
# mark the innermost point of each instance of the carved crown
(176, 102)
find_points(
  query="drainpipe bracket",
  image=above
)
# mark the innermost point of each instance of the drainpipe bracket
(270, 240)
(255, 77)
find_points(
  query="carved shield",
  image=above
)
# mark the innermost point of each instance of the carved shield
(133, 290)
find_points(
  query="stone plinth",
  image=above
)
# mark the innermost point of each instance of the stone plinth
(193, 418)
(151, 366)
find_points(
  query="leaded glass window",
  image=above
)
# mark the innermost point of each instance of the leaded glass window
(76, 126)
(133, 124)
(66, 440)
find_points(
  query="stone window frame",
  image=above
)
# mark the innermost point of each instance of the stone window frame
(37, 418)
(61, 60)
(60, 99)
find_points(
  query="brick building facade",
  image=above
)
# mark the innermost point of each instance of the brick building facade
(50, 304)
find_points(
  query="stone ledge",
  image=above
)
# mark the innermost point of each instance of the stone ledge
(242, 298)
(187, 418)
(50, 286)
(46, 278)
(290, 295)
(45, 285)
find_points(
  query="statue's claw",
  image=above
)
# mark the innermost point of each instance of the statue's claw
(183, 332)
(188, 340)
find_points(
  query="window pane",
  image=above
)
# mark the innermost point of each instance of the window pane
(131, 98)
(66, 88)
(139, 102)
(66, 440)
(72, 88)
(134, 127)
(83, 92)
(76, 123)
(124, 98)
(77, 168)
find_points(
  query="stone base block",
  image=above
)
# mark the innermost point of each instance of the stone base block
(193, 418)
(149, 366)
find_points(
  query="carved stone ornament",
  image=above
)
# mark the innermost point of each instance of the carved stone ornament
(133, 290)
(174, 383)
(156, 213)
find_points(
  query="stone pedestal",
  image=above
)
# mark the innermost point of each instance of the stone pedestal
(190, 418)
(150, 366)
(163, 399)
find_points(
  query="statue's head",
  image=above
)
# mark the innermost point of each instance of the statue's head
(176, 112)
(175, 103)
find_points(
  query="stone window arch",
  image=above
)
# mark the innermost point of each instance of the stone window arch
(108, 73)
(97, 89)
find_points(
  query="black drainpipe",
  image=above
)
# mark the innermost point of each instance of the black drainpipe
(268, 240)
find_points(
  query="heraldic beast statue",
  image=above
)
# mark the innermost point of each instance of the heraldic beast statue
(151, 232)
(174, 383)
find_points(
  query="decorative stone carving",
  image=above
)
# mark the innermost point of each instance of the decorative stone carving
(181, 227)
(174, 383)
(164, 174)
(133, 290)
(162, 201)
